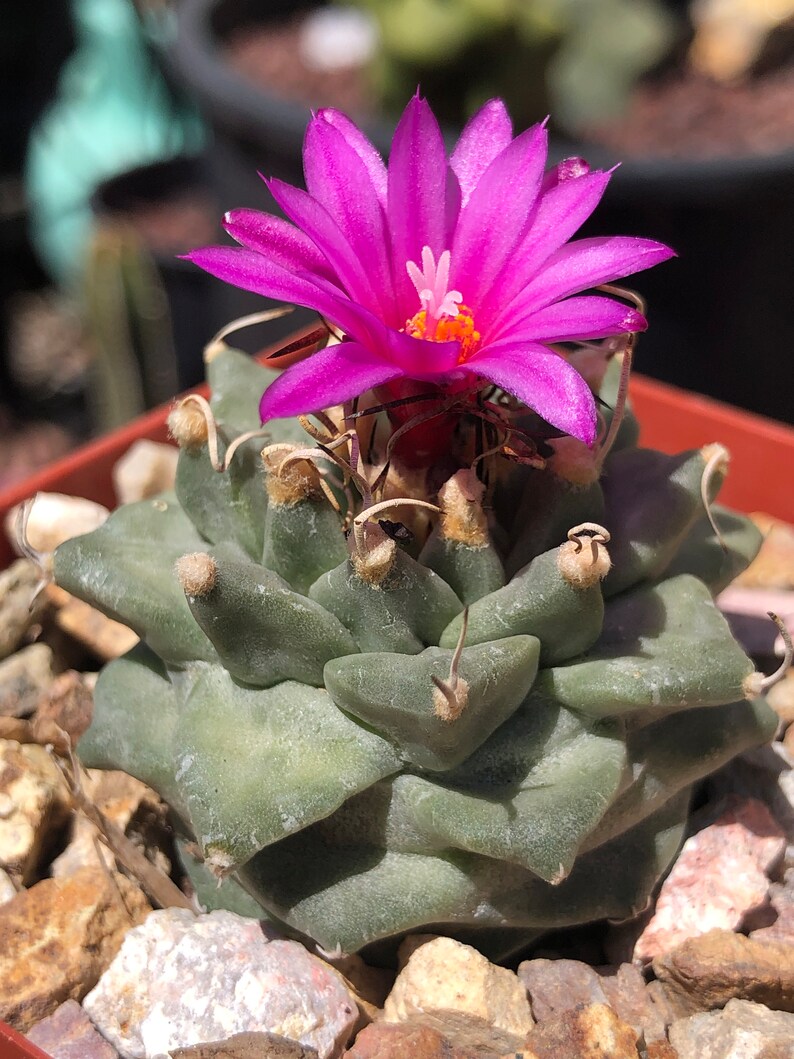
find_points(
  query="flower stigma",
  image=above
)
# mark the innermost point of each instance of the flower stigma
(443, 317)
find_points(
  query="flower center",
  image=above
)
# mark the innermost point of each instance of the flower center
(442, 317)
(458, 328)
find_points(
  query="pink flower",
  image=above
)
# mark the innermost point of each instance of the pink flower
(446, 270)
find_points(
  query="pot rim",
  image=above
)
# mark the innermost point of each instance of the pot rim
(258, 114)
(671, 419)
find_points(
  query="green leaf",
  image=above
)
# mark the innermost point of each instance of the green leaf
(135, 716)
(542, 511)
(263, 631)
(255, 765)
(349, 896)
(395, 695)
(673, 753)
(562, 774)
(406, 613)
(470, 572)
(538, 601)
(225, 505)
(663, 647)
(652, 502)
(352, 895)
(126, 569)
(237, 383)
(715, 563)
(303, 541)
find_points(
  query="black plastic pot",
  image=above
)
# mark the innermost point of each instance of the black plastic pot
(191, 316)
(32, 51)
(722, 314)
(266, 127)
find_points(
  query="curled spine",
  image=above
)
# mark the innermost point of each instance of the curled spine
(450, 697)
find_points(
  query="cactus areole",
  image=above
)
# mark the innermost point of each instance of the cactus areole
(440, 653)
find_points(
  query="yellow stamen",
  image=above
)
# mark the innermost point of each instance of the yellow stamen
(458, 328)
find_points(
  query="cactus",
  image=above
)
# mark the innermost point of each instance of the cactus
(298, 723)
(444, 655)
(578, 59)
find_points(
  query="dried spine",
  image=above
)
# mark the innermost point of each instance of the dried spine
(188, 424)
(374, 563)
(291, 475)
(373, 551)
(217, 345)
(41, 560)
(582, 567)
(197, 573)
(462, 516)
(757, 684)
(571, 463)
(219, 863)
(451, 696)
(716, 458)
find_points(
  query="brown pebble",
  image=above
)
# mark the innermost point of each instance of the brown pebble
(708, 971)
(58, 937)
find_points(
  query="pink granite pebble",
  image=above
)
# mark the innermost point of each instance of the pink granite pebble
(720, 876)
(780, 920)
(181, 979)
(68, 1033)
(558, 986)
(555, 986)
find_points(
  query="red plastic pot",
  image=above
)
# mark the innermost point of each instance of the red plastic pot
(762, 451)
(14, 1046)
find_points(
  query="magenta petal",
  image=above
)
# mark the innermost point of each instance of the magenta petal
(452, 207)
(281, 242)
(567, 169)
(493, 222)
(331, 376)
(314, 219)
(505, 227)
(254, 272)
(545, 382)
(560, 213)
(363, 148)
(417, 187)
(576, 319)
(405, 354)
(416, 357)
(421, 359)
(339, 180)
(485, 136)
(584, 264)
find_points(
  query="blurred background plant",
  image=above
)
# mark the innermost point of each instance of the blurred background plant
(106, 109)
(113, 112)
(574, 59)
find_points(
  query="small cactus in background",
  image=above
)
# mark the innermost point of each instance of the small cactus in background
(127, 312)
(578, 59)
(440, 651)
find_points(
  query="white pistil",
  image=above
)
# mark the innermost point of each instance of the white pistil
(431, 285)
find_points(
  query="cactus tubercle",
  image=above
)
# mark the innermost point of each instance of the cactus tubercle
(583, 559)
(197, 573)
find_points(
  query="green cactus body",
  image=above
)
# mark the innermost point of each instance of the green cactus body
(337, 735)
